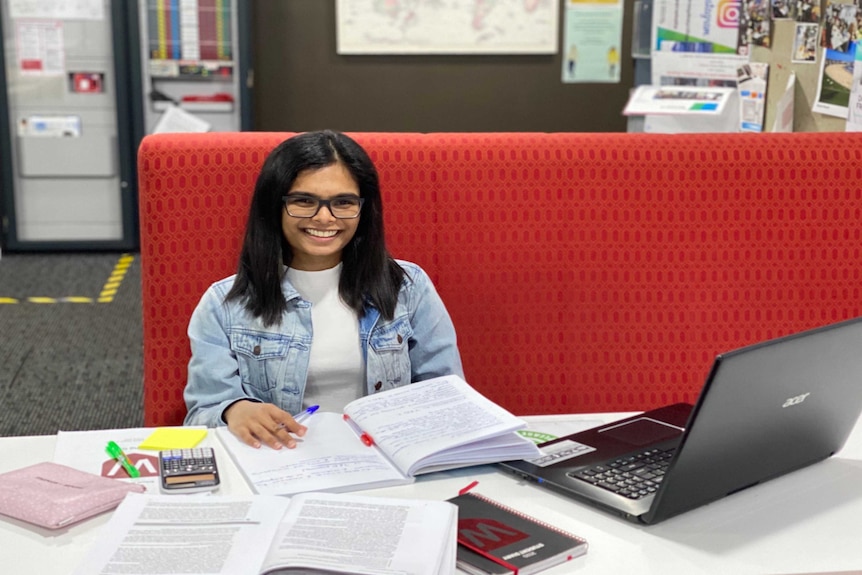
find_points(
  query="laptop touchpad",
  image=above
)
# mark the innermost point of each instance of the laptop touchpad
(641, 431)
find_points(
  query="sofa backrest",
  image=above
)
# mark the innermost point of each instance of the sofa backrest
(583, 272)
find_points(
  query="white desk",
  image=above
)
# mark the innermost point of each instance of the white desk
(805, 522)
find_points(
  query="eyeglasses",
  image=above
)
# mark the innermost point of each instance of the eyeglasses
(306, 206)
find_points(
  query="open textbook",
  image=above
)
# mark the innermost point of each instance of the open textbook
(271, 535)
(387, 439)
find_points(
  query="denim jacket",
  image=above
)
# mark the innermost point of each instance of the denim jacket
(234, 356)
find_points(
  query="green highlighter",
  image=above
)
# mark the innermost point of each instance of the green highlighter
(114, 451)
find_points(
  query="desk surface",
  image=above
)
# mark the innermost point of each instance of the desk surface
(804, 522)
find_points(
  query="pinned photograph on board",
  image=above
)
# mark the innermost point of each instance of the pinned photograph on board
(804, 44)
(754, 23)
(835, 82)
(839, 27)
(783, 9)
(836, 79)
(799, 10)
(838, 35)
(807, 11)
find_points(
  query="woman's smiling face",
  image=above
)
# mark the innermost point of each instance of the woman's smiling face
(317, 242)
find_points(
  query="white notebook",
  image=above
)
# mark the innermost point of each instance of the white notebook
(386, 439)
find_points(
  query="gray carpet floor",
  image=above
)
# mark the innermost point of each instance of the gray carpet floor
(68, 361)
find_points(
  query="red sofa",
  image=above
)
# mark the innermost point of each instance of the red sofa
(584, 272)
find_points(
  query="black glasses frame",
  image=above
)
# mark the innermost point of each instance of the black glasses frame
(320, 204)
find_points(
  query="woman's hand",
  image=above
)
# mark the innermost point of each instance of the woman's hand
(256, 423)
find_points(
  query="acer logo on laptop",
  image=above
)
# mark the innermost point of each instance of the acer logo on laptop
(487, 534)
(791, 401)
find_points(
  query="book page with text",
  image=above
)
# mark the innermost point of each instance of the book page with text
(433, 419)
(330, 457)
(191, 534)
(365, 535)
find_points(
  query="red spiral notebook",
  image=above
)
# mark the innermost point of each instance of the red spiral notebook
(496, 539)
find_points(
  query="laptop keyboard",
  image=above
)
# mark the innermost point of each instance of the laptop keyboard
(633, 476)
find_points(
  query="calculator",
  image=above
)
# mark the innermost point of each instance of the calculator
(188, 470)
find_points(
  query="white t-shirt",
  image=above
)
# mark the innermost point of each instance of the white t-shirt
(336, 372)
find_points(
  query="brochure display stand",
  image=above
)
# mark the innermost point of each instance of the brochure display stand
(674, 109)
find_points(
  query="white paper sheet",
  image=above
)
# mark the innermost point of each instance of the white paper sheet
(85, 450)
(192, 535)
(175, 119)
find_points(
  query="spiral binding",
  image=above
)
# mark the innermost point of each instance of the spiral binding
(528, 518)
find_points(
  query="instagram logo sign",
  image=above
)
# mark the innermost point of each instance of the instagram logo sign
(727, 13)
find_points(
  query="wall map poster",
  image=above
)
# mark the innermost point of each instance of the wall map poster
(447, 26)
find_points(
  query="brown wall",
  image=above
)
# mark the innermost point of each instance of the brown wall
(302, 84)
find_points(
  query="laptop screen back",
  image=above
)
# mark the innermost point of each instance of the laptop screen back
(765, 410)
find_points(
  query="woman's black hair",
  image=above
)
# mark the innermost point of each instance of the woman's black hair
(369, 274)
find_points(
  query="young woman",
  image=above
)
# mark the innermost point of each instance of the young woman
(318, 313)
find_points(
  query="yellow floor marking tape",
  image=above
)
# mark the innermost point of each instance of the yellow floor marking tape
(42, 300)
(109, 289)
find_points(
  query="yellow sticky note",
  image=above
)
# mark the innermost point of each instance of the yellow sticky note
(173, 438)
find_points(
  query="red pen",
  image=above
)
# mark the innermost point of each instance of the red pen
(464, 490)
(363, 436)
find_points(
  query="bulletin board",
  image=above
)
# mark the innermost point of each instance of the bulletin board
(790, 45)
(807, 75)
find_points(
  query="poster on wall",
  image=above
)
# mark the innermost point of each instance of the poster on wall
(58, 9)
(40, 48)
(446, 27)
(697, 26)
(592, 41)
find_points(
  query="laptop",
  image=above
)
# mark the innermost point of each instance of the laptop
(765, 410)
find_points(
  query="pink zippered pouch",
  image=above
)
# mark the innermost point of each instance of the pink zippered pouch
(54, 496)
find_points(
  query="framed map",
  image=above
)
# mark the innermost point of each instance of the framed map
(447, 26)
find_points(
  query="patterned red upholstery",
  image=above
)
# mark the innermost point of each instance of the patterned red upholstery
(584, 272)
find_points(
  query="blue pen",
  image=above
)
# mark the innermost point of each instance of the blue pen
(305, 414)
(300, 416)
